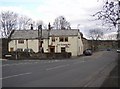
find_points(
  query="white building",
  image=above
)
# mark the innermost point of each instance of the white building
(59, 41)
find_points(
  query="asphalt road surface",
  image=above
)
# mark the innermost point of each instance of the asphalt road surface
(75, 72)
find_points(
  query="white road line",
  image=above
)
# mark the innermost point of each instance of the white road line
(14, 64)
(29, 62)
(18, 64)
(57, 67)
(79, 62)
(16, 75)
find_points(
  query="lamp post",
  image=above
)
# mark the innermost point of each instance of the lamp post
(49, 28)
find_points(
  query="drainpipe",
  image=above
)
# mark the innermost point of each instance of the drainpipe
(40, 37)
(27, 43)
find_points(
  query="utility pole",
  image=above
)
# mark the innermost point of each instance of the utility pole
(49, 28)
(40, 37)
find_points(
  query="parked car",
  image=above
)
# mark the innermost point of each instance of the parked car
(108, 49)
(118, 50)
(8, 55)
(87, 52)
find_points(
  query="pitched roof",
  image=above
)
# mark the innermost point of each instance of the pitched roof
(72, 32)
(32, 34)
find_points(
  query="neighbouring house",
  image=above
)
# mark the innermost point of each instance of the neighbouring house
(55, 41)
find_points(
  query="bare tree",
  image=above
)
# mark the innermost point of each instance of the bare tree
(111, 37)
(95, 35)
(109, 13)
(61, 23)
(24, 22)
(8, 21)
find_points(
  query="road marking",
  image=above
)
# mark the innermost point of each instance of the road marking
(29, 62)
(79, 62)
(61, 66)
(18, 64)
(16, 75)
(15, 64)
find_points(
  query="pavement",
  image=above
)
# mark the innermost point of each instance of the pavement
(113, 79)
(85, 71)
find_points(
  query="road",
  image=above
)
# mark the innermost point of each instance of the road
(75, 72)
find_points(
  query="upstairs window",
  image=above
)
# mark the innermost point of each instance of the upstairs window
(66, 39)
(61, 39)
(21, 41)
(53, 39)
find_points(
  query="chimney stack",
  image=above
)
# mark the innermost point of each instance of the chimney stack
(49, 26)
(31, 26)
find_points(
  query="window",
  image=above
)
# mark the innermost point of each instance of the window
(62, 49)
(21, 41)
(61, 39)
(66, 39)
(53, 39)
(11, 49)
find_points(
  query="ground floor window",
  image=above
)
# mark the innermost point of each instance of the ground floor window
(11, 49)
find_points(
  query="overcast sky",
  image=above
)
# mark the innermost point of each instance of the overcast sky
(75, 11)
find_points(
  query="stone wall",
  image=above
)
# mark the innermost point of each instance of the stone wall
(103, 44)
(39, 56)
(3, 46)
(0, 48)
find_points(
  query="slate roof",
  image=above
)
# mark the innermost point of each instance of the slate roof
(33, 34)
(72, 32)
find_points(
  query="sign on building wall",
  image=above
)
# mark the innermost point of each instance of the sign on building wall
(66, 45)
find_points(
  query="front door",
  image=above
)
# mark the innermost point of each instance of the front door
(52, 49)
(63, 49)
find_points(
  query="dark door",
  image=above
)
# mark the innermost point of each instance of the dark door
(63, 49)
(52, 49)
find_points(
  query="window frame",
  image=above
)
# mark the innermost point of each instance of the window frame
(66, 39)
(20, 41)
(53, 39)
(61, 39)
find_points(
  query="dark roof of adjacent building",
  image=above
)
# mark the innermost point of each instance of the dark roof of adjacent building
(33, 34)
